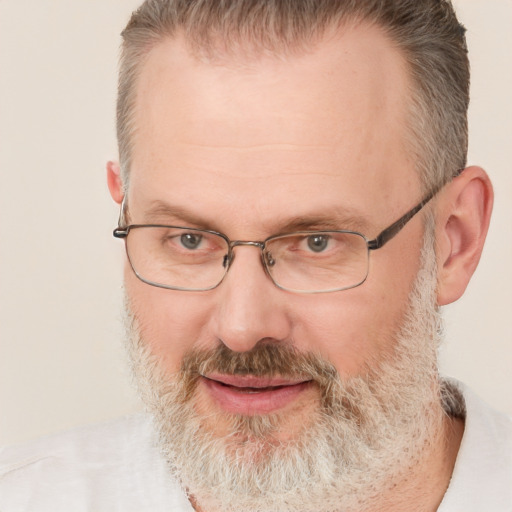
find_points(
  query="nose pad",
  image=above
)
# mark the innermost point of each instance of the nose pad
(268, 259)
(228, 258)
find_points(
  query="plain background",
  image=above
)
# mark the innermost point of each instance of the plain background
(61, 356)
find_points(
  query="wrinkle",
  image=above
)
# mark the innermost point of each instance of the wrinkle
(256, 147)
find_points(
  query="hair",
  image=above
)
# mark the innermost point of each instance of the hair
(426, 32)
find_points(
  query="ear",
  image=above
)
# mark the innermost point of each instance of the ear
(115, 184)
(462, 220)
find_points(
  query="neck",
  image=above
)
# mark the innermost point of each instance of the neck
(426, 485)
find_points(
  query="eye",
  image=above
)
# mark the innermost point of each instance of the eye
(318, 243)
(191, 240)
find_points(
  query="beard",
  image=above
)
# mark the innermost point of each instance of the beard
(365, 435)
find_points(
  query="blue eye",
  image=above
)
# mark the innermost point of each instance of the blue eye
(191, 240)
(318, 243)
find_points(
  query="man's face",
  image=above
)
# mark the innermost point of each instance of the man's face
(257, 148)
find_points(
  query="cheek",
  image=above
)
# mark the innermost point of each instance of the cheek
(170, 322)
(354, 328)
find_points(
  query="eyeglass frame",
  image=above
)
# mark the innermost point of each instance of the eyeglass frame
(378, 242)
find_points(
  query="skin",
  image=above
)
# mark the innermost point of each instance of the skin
(252, 147)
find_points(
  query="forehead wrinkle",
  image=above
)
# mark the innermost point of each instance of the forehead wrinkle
(266, 158)
(263, 159)
(255, 147)
(284, 174)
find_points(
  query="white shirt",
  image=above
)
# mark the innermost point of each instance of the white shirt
(482, 478)
(117, 467)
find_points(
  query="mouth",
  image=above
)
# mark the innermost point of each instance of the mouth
(251, 395)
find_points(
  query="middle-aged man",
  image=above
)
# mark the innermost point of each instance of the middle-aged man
(295, 207)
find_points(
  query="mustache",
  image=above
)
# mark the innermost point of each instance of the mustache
(276, 359)
(265, 359)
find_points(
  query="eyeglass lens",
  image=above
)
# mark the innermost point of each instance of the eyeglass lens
(190, 259)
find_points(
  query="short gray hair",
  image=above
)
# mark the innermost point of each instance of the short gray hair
(426, 32)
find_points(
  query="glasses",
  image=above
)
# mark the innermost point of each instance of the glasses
(190, 259)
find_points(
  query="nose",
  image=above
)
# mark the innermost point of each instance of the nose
(249, 307)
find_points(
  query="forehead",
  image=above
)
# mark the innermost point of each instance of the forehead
(267, 135)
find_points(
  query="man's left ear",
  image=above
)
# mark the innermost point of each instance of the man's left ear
(462, 220)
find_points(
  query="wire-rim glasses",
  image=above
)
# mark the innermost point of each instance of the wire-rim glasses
(192, 259)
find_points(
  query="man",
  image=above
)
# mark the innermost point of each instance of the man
(295, 207)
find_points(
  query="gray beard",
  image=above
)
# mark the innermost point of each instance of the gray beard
(366, 434)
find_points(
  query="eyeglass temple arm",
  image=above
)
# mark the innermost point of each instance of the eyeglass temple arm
(397, 226)
(120, 232)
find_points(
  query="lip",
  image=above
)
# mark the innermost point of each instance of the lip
(251, 395)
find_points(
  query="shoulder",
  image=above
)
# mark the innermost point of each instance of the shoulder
(89, 445)
(107, 467)
(482, 477)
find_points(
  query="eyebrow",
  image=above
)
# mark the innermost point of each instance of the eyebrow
(334, 220)
(338, 218)
(160, 211)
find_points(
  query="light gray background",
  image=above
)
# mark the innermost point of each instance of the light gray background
(61, 357)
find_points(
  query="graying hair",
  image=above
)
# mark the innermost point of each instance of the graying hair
(426, 32)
